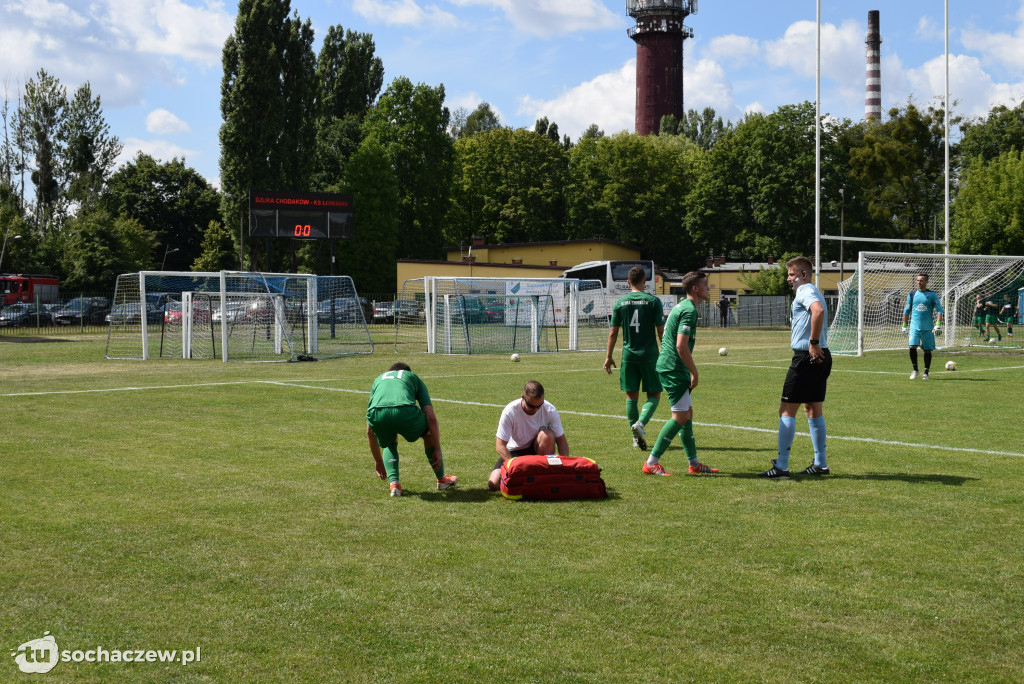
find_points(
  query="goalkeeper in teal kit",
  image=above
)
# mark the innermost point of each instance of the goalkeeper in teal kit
(393, 411)
(924, 311)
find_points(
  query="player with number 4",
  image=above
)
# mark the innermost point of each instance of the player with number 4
(641, 319)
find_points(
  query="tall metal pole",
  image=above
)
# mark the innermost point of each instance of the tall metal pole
(842, 231)
(817, 157)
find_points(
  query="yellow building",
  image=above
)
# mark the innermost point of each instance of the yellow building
(550, 259)
(515, 260)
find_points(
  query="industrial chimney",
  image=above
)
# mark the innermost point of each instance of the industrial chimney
(873, 86)
(659, 34)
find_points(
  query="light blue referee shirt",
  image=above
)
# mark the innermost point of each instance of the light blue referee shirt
(800, 333)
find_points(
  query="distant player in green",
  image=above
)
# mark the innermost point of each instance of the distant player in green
(679, 377)
(992, 319)
(641, 318)
(1008, 314)
(924, 311)
(393, 411)
(979, 316)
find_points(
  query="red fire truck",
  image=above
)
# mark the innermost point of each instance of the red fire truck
(28, 288)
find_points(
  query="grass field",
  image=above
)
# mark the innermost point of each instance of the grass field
(233, 508)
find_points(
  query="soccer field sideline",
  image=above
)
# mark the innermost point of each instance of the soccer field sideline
(726, 426)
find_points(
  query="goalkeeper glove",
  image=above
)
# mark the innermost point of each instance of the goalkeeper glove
(904, 327)
(938, 326)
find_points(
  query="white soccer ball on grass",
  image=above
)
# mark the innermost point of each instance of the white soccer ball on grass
(515, 358)
(951, 365)
(723, 352)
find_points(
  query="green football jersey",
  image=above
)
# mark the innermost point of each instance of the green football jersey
(638, 315)
(682, 321)
(398, 388)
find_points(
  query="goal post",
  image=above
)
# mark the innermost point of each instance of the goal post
(501, 315)
(871, 301)
(236, 316)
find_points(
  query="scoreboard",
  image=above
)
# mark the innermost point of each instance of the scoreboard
(300, 215)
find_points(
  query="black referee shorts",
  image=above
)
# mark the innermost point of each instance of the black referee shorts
(806, 381)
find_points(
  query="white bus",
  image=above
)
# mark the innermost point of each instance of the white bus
(609, 281)
(613, 275)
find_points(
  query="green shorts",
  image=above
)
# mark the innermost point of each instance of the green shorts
(389, 422)
(676, 384)
(991, 318)
(633, 374)
(979, 320)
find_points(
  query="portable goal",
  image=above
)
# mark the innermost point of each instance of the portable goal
(871, 302)
(501, 315)
(236, 316)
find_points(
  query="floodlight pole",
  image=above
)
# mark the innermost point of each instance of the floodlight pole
(842, 231)
(4, 248)
(168, 250)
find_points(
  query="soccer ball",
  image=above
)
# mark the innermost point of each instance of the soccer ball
(723, 352)
(951, 365)
(991, 340)
(515, 358)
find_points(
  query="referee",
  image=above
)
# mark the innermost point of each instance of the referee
(808, 373)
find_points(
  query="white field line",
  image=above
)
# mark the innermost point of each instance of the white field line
(746, 428)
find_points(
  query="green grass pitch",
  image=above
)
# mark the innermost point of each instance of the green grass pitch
(233, 507)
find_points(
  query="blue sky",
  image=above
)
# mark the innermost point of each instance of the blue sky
(156, 63)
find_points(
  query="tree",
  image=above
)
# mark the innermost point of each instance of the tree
(91, 149)
(39, 124)
(218, 249)
(632, 188)
(772, 280)
(508, 188)
(900, 167)
(100, 247)
(349, 79)
(1001, 131)
(411, 123)
(170, 200)
(704, 128)
(989, 209)
(482, 119)
(296, 140)
(369, 257)
(252, 103)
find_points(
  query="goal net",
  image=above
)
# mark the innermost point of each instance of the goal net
(871, 302)
(499, 315)
(236, 316)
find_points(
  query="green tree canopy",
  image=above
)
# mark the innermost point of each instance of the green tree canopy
(989, 210)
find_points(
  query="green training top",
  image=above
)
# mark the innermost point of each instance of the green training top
(638, 315)
(682, 321)
(398, 388)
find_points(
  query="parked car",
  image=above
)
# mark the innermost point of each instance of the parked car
(18, 315)
(82, 311)
(200, 313)
(408, 310)
(131, 314)
(346, 310)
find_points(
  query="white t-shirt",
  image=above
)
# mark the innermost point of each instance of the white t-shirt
(518, 428)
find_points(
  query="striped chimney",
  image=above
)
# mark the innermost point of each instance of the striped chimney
(873, 86)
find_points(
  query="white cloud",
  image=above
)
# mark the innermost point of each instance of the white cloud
(470, 101)
(546, 19)
(971, 89)
(48, 14)
(1003, 49)
(171, 28)
(402, 13)
(705, 84)
(732, 50)
(160, 150)
(607, 100)
(162, 122)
